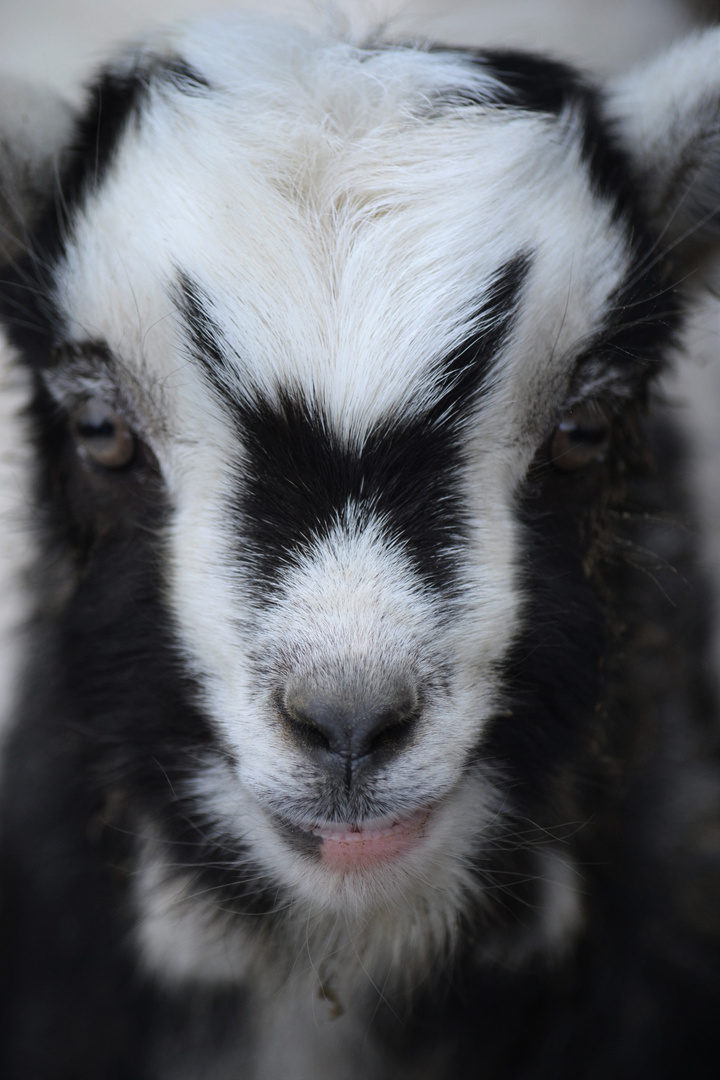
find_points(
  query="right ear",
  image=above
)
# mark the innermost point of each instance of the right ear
(667, 116)
(35, 126)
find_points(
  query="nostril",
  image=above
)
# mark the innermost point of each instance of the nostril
(302, 727)
(349, 726)
(393, 730)
(307, 732)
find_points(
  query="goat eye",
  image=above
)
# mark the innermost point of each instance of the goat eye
(102, 434)
(582, 436)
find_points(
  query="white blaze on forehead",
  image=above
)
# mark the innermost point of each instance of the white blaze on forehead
(345, 237)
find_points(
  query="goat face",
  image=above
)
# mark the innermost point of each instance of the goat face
(335, 350)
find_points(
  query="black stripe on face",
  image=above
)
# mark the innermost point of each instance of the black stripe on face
(526, 81)
(645, 311)
(114, 102)
(301, 477)
(467, 372)
(27, 309)
(643, 318)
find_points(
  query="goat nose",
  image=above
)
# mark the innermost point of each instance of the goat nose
(349, 727)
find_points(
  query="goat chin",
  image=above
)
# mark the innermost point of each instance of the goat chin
(363, 719)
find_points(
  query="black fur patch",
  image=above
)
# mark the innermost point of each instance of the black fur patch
(526, 81)
(115, 101)
(467, 373)
(552, 676)
(105, 740)
(300, 477)
(644, 316)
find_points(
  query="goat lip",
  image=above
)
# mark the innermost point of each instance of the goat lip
(356, 846)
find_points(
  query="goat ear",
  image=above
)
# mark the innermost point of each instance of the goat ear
(668, 118)
(35, 125)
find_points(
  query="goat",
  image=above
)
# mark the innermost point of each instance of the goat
(359, 734)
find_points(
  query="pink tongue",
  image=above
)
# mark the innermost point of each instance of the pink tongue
(348, 848)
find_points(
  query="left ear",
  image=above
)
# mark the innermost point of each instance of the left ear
(667, 116)
(35, 124)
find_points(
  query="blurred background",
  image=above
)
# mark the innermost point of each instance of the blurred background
(59, 41)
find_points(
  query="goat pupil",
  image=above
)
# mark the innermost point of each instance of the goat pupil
(582, 437)
(103, 435)
(585, 436)
(103, 430)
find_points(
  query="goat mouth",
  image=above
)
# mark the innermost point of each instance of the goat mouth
(349, 847)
